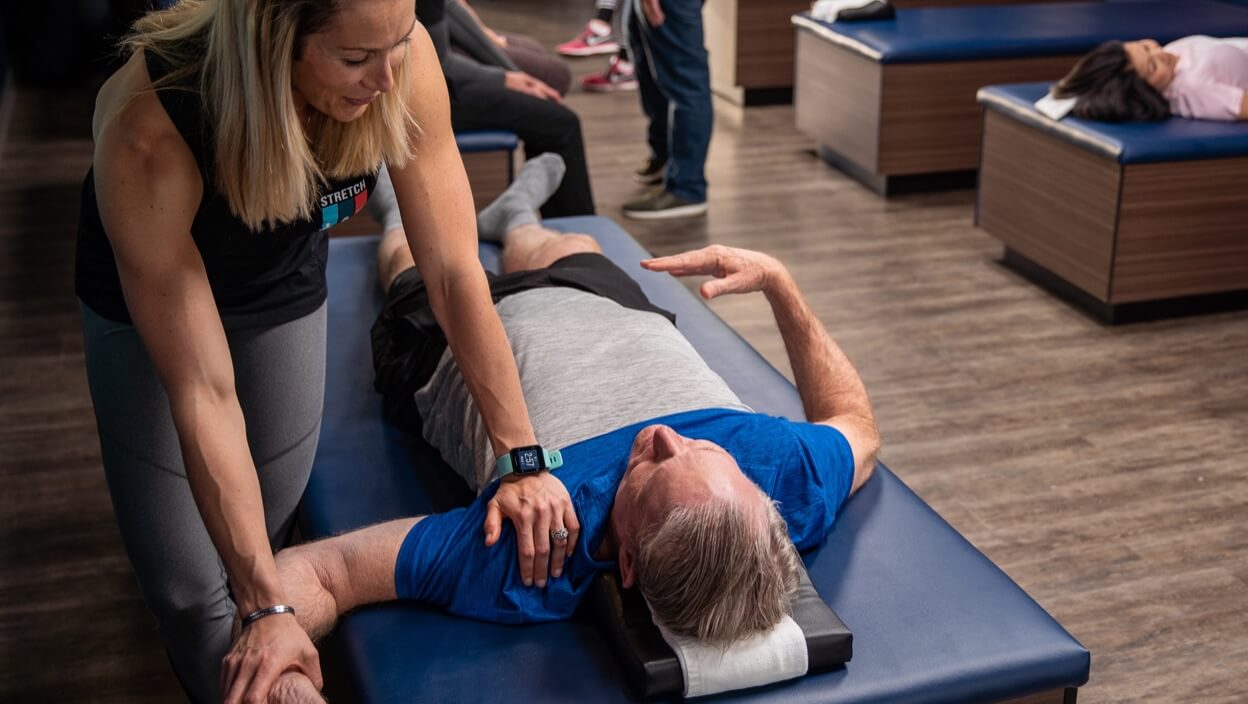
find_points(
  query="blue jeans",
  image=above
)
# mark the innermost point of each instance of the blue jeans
(675, 83)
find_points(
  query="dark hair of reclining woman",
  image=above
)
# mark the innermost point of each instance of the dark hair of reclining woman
(1194, 77)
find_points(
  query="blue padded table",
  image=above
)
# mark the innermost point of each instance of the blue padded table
(1129, 221)
(892, 102)
(929, 34)
(933, 619)
(1124, 142)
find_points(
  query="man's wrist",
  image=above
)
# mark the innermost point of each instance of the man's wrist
(779, 283)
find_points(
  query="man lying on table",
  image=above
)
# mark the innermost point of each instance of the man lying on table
(697, 500)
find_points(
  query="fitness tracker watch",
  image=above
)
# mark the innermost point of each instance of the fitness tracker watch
(528, 460)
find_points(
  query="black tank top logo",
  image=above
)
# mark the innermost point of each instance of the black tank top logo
(336, 207)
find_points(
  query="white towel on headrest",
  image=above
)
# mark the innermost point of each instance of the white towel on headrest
(1055, 108)
(773, 656)
(827, 10)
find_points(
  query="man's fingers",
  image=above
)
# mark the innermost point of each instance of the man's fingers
(696, 262)
(735, 283)
(493, 523)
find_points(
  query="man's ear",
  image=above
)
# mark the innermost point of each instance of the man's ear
(628, 567)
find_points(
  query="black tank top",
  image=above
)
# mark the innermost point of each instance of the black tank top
(258, 278)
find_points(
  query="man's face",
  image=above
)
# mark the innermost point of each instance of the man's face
(666, 470)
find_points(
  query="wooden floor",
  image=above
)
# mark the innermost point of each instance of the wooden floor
(1106, 470)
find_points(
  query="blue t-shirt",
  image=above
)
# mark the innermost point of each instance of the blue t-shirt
(807, 468)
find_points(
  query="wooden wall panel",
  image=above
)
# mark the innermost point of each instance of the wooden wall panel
(1183, 230)
(1050, 201)
(766, 42)
(489, 174)
(719, 22)
(836, 99)
(929, 118)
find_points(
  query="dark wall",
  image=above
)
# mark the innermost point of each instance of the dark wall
(64, 42)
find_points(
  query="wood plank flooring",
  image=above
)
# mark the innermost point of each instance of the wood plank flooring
(1106, 470)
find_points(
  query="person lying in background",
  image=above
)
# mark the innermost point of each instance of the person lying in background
(1196, 77)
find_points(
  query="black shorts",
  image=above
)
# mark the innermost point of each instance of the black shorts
(408, 344)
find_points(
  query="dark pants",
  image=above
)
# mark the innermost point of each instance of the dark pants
(675, 83)
(544, 126)
(533, 59)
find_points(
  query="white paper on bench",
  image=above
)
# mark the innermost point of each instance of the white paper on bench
(774, 656)
(827, 10)
(1055, 108)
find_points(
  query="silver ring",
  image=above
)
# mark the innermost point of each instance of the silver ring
(559, 534)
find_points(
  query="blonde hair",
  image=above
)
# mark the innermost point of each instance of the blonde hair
(708, 571)
(266, 166)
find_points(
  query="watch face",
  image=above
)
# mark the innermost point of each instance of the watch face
(526, 459)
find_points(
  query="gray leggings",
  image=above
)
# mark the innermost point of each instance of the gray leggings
(280, 380)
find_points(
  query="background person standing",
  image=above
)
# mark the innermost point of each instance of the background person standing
(675, 82)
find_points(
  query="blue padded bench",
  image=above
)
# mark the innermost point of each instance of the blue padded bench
(933, 619)
(892, 103)
(1128, 220)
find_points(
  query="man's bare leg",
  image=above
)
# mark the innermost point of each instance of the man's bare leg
(393, 257)
(513, 209)
(535, 247)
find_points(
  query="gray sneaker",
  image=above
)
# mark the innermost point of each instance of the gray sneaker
(651, 173)
(660, 204)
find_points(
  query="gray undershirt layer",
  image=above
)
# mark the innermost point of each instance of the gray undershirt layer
(588, 366)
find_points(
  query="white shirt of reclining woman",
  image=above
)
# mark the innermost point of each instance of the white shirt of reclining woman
(1210, 77)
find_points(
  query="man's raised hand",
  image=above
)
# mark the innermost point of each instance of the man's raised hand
(735, 270)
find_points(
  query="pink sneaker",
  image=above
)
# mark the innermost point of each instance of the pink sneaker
(618, 76)
(594, 39)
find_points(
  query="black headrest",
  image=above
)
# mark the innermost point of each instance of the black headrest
(652, 667)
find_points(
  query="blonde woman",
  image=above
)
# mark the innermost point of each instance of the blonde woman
(237, 131)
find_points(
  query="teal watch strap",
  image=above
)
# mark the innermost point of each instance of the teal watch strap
(553, 460)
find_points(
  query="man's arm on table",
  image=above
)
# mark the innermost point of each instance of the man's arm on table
(832, 393)
(327, 578)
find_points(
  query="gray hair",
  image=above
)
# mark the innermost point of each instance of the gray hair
(708, 572)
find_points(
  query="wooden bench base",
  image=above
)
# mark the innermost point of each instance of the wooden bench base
(891, 120)
(1171, 234)
(752, 45)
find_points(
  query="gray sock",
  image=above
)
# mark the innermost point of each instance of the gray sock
(517, 206)
(382, 204)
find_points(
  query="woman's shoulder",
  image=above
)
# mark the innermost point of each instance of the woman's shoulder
(129, 119)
